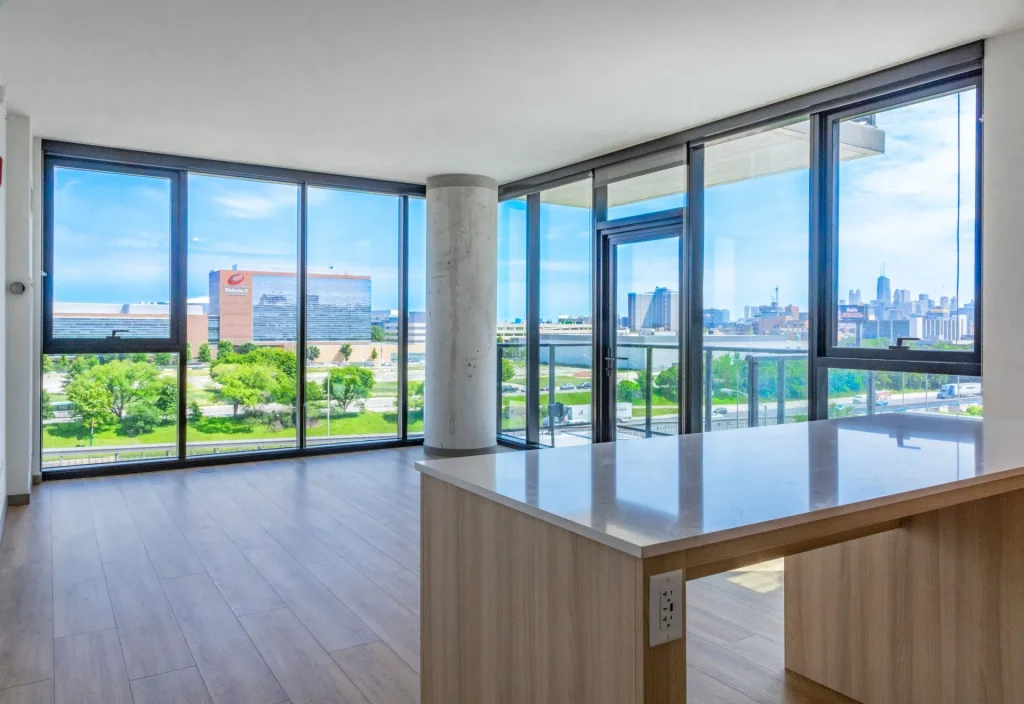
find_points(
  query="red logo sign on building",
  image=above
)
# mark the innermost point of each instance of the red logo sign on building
(236, 279)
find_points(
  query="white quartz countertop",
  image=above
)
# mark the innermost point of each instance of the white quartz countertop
(650, 497)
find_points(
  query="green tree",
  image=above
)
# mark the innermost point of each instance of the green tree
(312, 353)
(188, 352)
(139, 357)
(667, 383)
(142, 418)
(415, 396)
(224, 350)
(315, 394)
(127, 383)
(162, 359)
(205, 355)
(628, 391)
(247, 348)
(346, 351)
(195, 412)
(63, 363)
(974, 410)
(165, 396)
(508, 370)
(282, 360)
(348, 384)
(45, 405)
(244, 385)
(377, 333)
(47, 364)
(90, 403)
(374, 355)
(81, 364)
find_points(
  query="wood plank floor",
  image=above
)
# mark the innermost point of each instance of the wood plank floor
(284, 581)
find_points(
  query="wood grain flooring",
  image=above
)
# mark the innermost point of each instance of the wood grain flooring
(282, 581)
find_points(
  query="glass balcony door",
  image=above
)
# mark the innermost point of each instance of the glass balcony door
(642, 309)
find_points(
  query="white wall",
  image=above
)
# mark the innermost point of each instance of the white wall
(20, 365)
(1003, 227)
(3, 238)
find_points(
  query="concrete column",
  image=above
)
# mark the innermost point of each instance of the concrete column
(460, 403)
(22, 366)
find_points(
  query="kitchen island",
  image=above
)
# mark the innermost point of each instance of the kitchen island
(904, 573)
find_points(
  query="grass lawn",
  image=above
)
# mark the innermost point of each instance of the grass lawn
(66, 435)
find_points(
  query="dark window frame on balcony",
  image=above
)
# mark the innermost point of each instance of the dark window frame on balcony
(825, 229)
(930, 76)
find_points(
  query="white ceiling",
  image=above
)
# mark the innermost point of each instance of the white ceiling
(405, 89)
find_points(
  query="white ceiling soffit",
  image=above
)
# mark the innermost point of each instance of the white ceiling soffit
(405, 90)
(753, 155)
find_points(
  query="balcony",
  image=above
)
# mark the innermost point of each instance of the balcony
(743, 386)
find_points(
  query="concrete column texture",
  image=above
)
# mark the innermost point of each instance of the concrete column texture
(460, 393)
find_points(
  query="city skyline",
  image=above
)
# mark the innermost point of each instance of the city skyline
(894, 208)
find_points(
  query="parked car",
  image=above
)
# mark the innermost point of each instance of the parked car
(543, 389)
(584, 385)
(509, 387)
(880, 403)
(566, 387)
(860, 399)
(720, 412)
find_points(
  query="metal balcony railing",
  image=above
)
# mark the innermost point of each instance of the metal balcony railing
(758, 392)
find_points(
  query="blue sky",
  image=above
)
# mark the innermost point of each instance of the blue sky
(896, 209)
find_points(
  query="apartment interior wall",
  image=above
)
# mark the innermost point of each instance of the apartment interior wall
(20, 366)
(4, 171)
(1003, 227)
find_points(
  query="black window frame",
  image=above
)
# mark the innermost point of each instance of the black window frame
(114, 160)
(834, 356)
(945, 72)
(177, 314)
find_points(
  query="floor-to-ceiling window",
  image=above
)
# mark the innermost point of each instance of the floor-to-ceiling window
(352, 289)
(829, 263)
(756, 254)
(565, 356)
(111, 377)
(416, 320)
(173, 309)
(904, 239)
(243, 294)
(512, 316)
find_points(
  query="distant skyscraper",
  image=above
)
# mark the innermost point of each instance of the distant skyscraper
(944, 302)
(884, 290)
(658, 309)
(855, 297)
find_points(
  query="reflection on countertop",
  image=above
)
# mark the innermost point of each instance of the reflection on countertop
(645, 497)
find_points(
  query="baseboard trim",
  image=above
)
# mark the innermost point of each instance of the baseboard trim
(442, 452)
(37, 479)
(18, 499)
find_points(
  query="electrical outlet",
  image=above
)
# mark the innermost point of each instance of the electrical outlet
(667, 599)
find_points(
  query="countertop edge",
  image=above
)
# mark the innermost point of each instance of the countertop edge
(578, 528)
(729, 534)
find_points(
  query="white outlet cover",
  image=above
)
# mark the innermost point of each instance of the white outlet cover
(672, 581)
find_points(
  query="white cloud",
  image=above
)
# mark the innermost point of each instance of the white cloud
(255, 206)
